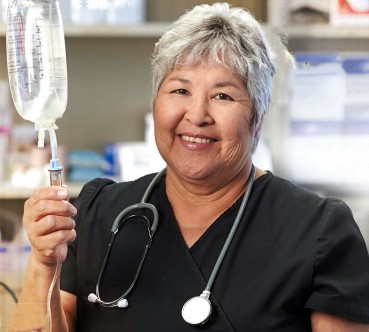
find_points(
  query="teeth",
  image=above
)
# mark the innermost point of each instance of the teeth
(197, 139)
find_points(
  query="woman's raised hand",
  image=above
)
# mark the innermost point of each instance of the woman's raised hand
(48, 220)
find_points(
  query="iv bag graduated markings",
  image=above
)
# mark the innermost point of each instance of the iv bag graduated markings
(37, 70)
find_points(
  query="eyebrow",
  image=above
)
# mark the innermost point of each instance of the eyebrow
(225, 84)
(179, 79)
(216, 85)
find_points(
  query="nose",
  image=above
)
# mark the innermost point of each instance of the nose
(198, 112)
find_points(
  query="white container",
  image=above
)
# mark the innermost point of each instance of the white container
(3, 10)
(126, 12)
(66, 11)
(89, 12)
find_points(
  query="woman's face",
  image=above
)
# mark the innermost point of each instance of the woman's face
(202, 123)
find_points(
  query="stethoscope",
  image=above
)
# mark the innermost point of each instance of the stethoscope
(195, 311)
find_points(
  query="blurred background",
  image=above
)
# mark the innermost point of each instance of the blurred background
(316, 134)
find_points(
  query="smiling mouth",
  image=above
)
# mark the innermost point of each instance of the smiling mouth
(197, 140)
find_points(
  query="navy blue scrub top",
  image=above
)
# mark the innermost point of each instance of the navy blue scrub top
(293, 252)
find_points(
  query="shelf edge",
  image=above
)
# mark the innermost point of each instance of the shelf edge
(144, 30)
(324, 31)
(9, 192)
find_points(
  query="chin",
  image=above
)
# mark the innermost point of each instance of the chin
(191, 172)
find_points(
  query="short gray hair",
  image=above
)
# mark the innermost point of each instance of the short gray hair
(224, 35)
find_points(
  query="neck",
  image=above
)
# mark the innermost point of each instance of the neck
(205, 191)
(197, 205)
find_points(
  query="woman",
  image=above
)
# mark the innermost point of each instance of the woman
(296, 262)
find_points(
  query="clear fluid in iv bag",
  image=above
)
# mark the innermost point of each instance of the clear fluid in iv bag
(36, 58)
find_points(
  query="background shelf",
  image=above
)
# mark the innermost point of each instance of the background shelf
(326, 31)
(149, 29)
(156, 29)
(9, 192)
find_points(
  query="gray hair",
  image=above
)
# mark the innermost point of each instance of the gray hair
(223, 35)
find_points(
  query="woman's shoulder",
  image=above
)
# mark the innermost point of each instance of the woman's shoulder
(105, 188)
(286, 193)
(289, 205)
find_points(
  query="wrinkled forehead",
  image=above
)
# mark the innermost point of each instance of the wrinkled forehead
(198, 69)
(209, 63)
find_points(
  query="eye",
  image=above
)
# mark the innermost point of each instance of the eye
(223, 96)
(180, 91)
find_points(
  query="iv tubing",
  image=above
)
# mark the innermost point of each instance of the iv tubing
(55, 170)
(53, 145)
(52, 285)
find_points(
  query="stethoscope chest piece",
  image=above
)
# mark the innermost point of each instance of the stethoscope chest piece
(197, 310)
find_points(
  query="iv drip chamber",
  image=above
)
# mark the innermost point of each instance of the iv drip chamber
(36, 61)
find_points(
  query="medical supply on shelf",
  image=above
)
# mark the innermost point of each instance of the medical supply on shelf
(3, 10)
(126, 12)
(107, 12)
(85, 165)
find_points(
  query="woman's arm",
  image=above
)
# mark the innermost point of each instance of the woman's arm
(321, 322)
(48, 221)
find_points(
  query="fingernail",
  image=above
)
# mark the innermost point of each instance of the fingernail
(73, 210)
(62, 193)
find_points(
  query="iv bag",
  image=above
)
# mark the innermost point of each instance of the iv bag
(37, 66)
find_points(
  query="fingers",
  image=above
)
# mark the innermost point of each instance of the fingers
(51, 192)
(48, 219)
(51, 231)
(46, 245)
(50, 224)
(36, 210)
(48, 200)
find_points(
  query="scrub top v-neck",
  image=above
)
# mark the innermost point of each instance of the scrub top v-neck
(269, 281)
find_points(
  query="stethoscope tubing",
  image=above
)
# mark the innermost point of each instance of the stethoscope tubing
(142, 205)
(122, 216)
(232, 232)
(114, 303)
(197, 310)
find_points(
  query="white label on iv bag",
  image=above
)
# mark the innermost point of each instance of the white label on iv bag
(37, 61)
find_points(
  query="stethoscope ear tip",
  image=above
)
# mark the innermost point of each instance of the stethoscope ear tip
(123, 303)
(92, 298)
